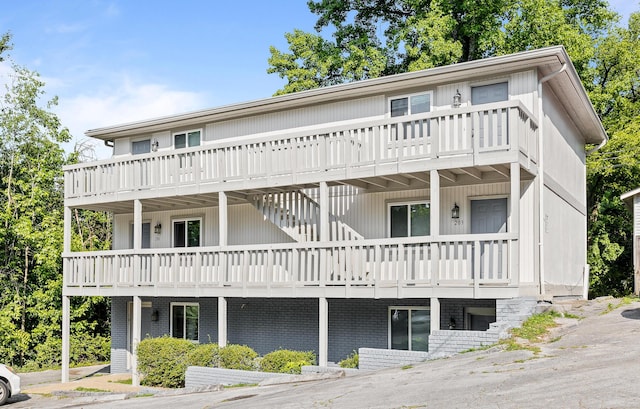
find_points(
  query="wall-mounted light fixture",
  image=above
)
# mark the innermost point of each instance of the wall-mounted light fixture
(154, 315)
(452, 323)
(154, 145)
(457, 99)
(455, 211)
(158, 228)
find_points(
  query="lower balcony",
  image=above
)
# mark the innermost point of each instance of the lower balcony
(469, 266)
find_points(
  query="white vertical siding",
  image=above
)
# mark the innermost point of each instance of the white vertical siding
(246, 226)
(295, 118)
(522, 86)
(564, 155)
(445, 93)
(565, 243)
(527, 238)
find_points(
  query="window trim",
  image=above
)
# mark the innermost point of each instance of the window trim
(406, 308)
(409, 96)
(185, 132)
(406, 203)
(184, 304)
(186, 219)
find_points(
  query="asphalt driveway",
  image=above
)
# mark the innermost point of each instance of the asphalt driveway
(589, 363)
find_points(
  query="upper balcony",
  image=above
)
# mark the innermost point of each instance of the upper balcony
(489, 134)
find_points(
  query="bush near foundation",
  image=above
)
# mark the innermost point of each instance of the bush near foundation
(287, 361)
(352, 361)
(238, 357)
(163, 361)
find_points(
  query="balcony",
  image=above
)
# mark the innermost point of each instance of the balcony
(462, 137)
(469, 265)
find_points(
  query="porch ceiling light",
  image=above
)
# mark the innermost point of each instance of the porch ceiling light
(457, 99)
(455, 211)
(158, 228)
(154, 145)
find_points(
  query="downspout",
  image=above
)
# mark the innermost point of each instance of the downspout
(541, 218)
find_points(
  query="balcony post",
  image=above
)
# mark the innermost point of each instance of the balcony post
(434, 220)
(323, 331)
(222, 322)
(66, 244)
(324, 230)
(514, 267)
(222, 218)
(66, 312)
(434, 314)
(137, 239)
(136, 329)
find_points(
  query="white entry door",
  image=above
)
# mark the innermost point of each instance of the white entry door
(490, 216)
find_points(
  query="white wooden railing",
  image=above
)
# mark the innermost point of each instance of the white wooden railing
(357, 145)
(448, 260)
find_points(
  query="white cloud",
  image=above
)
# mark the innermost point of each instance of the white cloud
(128, 102)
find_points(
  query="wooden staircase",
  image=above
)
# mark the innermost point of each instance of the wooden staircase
(298, 216)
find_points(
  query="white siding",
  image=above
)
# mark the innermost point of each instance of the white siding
(564, 155)
(246, 226)
(565, 232)
(295, 118)
(523, 86)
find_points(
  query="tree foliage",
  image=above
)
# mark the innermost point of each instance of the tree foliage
(31, 227)
(372, 38)
(358, 39)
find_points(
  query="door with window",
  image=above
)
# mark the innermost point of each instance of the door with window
(409, 328)
(490, 216)
(493, 124)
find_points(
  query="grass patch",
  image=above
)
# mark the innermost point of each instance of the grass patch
(127, 381)
(482, 348)
(144, 395)
(240, 385)
(83, 389)
(406, 367)
(626, 300)
(511, 344)
(537, 326)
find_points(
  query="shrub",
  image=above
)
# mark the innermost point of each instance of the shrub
(352, 361)
(238, 357)
(204, 355)
(163, 361)
(287, 361)
(84, 349)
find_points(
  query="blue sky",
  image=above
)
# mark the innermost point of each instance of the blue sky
(112, 61)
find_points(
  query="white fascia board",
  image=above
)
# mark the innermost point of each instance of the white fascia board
(528, 59)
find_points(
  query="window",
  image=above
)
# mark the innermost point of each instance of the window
(409, 328)
(140, 147)
(186, 139)
(186, 233)
(486, 94)
(409, 219)
(184, 320)
(411, 105)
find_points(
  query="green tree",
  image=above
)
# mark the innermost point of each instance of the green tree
(372, 38)
(31, 223)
